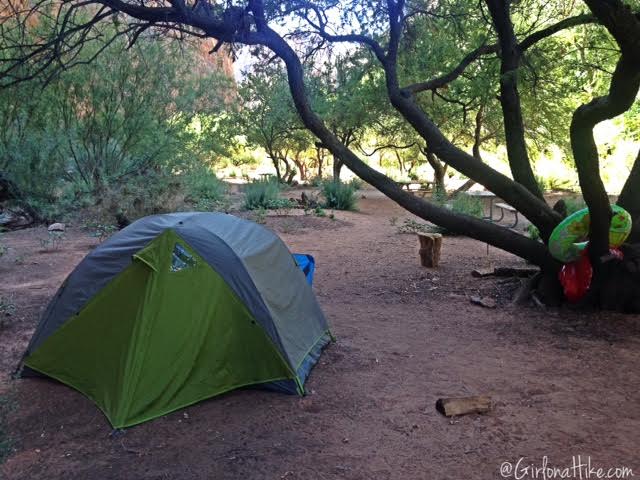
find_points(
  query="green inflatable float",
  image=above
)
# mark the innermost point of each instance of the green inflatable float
(570, 237)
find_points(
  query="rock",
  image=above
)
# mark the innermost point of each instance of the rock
(57, 227)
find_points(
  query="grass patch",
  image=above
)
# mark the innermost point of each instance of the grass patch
(264, 194)
(339, 196)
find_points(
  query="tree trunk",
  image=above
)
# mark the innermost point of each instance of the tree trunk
(475, 150)
(510, 56)
(439, 170)
(337, 167)
(302, 168)
(623, 89)
(630, 199)
(275, 159)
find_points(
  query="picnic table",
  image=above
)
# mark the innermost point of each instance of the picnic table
(502, 206)
(423, 186)
(485, 194)
(265, 176)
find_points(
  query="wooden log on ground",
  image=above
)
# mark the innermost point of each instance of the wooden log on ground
(451, 407)
(430, 245)
(483, 272)
(515, 271)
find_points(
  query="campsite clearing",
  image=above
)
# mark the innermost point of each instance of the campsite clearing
(561, 384)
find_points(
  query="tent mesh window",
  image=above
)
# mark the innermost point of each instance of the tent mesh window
(181, 259)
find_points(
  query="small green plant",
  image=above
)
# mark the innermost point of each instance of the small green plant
(316, 181)
(356, 183)
(203, 184)
(260, 216)
(533, 232)
(439, 195)
(339, 196)
(100, 231)
(265, 194)
(319, 212)
(53, 241)
(467, 205)
(393, 221)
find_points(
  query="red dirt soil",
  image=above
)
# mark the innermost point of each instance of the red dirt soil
(563, 383)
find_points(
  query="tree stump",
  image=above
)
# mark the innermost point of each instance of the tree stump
(430, 244)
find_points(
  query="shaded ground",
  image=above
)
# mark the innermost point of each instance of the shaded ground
(563, 384)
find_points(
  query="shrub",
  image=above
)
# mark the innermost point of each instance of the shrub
(264, 194)
(202, 183)
(339, 196)
(315, 181)
(467, 205)
(356, 183)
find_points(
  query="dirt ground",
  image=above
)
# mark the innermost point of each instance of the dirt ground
(563, 384)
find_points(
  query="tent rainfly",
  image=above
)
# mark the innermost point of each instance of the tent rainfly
(177, 308)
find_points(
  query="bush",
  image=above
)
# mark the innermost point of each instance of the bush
(356, 183)
(264, 194)
(467, 205)
(338, 195)
(316, 181)
(203, 184)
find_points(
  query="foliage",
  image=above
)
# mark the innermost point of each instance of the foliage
(100, 231)
(339, 195)
(269, 120)
(264, 194)
(466, 204)
(92, 129)
(53, 240)
(356, 183)
(202, 183)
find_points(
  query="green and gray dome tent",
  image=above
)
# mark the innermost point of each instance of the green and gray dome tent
(177, 308)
